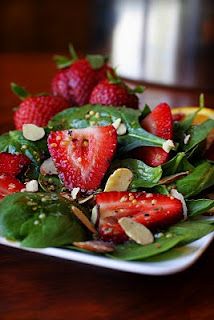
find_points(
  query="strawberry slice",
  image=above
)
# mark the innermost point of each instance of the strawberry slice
(152, 210)
(9, 184)
(160, 123)
(82, 156)
(13, 164)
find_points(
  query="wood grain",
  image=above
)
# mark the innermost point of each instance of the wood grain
(34, 287)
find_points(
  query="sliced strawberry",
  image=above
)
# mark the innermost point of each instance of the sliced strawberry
(160, 123)
(82, 156)
(13, 164)
(9, 184)
(152, 210)
(178, 116)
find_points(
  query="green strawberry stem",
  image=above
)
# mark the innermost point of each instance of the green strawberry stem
(63, 61)
(96, 60)
(21, 92)
(201, 101)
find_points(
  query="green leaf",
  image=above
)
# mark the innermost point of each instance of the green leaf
(62, 61)
(72, 52)
(39, 220)
(50, 183)
(96, 60)
(178, 163)
(144, 176)
(198, 134)
(177, 235)
(190, 230)
(134, 251)
(199, 206)
(162, 189)
(201, 178)
(21, 92)
(14, 142)
(105, 115)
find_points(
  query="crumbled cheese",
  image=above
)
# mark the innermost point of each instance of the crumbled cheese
(186, 138)
(119, 180)
(32, 132)
(74, 193)
(32, 186)
(168, 145)
(180, 197)
(48, 167)
(136, 231)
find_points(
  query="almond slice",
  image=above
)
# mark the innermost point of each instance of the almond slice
(168, 145)
(121, 130)
(48, 167)
(136, 231)
(95, 246)
(119, 180)
(82, 217)
(32, 132)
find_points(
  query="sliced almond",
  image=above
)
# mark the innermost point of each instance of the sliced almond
(168, 145)
(121, 129)
(95, 246)
(48, 167)
(136, 231)
(32, 186)
(180, 197)
(94, 215)
(83, 200)
(82, 217)
(74, 193)
(116, 123)
(173, 177)
(119, 180)
(32, 132)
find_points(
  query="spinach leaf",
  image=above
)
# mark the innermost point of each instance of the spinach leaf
(162, 189)
(144, 176)
(50, 183)
(198, 134)
(178, 163)
(134, 251)
(89, 115)
(190, 230)
(177, 235)
(39, 220)
(201, 178)
(199, 206)
(14, 142)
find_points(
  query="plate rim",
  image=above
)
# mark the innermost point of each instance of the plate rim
(138, 267)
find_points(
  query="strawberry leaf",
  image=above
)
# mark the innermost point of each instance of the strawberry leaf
(62, 61)
(96, 61)
(21, 92)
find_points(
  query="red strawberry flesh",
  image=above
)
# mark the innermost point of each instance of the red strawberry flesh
(9, 184)
(160, 123)
(38, 110)
(82, 156)
(152, 210)
(13, 164)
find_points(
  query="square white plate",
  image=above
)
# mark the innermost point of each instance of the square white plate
(184, 258)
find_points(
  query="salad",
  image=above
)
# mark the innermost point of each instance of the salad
(87, 169)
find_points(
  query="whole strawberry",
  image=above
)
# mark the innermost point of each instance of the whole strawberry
(78, 77)
(37, 110)
(113, 91)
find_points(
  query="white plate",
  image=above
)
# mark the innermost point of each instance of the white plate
(184, 258)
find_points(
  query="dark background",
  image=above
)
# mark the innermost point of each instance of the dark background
(47, 26)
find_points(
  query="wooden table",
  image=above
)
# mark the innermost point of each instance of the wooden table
(33, 286)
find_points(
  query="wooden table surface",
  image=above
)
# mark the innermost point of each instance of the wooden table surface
(33, 286)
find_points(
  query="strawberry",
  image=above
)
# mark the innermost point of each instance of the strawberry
(13, 164)
(113, 91)
(160, 123)
(37, 109)
(78, 77)
(82, 156)
(9, 184)
(152, 210)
